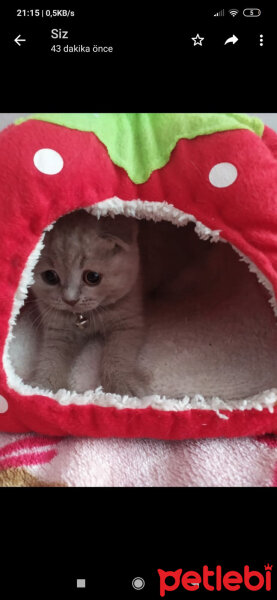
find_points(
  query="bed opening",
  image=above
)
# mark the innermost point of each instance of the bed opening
(211, 335)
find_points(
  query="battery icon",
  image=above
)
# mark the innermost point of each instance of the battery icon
(251, 12)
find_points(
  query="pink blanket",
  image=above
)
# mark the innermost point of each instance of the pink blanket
(31, 460)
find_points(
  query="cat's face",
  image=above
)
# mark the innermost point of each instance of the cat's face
(86, 262)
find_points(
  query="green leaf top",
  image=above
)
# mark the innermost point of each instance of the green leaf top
(143, 142)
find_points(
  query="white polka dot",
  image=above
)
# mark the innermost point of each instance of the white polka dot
(48, 161)
(223, 174)
(3, 405)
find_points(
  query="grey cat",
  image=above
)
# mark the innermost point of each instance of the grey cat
(88, 282)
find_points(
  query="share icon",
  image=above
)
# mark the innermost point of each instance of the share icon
(231, 40)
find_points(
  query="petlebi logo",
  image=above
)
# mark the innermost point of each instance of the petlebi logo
(215, 580)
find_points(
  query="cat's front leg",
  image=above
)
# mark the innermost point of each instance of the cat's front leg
(119, 372)
(51, 371)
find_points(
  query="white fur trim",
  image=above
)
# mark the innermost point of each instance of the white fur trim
(261, 278)
(156, 211)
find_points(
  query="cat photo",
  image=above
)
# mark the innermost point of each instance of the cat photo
(88, 283)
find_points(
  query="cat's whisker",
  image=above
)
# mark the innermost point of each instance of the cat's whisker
(32, 309)
(97, 317)
(104, 308)
(92, 315)
(40, 319)
(101, 319)
(37, 323)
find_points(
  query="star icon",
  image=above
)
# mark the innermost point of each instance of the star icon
(197, 40)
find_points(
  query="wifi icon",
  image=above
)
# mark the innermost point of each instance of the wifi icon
(234, 12)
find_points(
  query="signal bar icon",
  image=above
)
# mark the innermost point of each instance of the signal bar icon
(220, 13)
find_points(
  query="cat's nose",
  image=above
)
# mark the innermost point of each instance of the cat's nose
(70, 302)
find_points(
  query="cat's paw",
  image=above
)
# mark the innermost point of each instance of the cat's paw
(42, 385)
(133, 387)
(46, 384)
(134, 384)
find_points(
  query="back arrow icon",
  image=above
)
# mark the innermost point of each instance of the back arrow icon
(18, 39)
(232, 40)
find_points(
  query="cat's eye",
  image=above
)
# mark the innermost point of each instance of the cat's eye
(91, 277)
(50, 277)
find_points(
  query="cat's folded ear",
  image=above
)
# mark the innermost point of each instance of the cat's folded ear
(123, 230)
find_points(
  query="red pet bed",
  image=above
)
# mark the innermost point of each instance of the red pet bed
(211, 351)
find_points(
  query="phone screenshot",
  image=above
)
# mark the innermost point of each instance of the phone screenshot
(138, 339)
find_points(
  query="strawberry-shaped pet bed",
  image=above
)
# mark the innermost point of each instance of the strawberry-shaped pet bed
(211, 348)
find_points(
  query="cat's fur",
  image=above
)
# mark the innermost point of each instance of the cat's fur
(114, 307)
